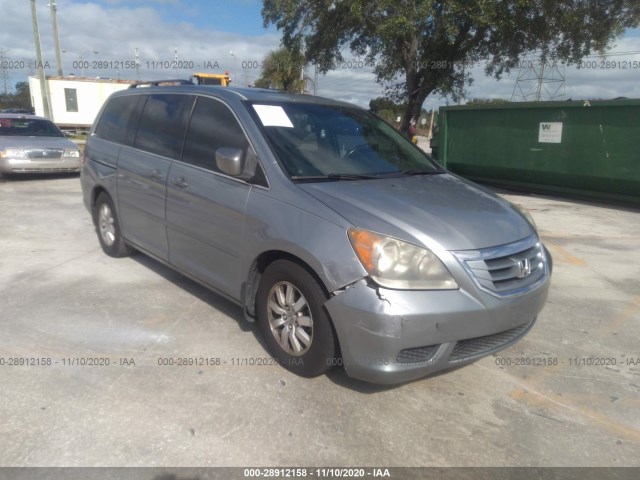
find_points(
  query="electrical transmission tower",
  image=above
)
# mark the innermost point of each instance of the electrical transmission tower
(4, 71)
(538, 81)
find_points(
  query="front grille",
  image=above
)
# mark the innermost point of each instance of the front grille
(44, 153)
(509, 269)
(417, 355)
(474, 347)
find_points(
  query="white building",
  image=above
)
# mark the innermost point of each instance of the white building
(74, 102)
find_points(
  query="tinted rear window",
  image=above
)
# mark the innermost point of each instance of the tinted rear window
(163, 124)
(114, 121)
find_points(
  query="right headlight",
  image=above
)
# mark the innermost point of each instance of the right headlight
(71, 153)
(393, 263)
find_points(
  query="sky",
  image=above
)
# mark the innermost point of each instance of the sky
(214, 36)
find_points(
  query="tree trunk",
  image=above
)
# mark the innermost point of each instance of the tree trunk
(412, 111)
(417, 91)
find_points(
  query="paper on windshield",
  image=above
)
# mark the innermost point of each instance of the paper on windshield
(273, 116)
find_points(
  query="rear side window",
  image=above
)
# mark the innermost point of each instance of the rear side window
(163, 124)
(114, 121)
(212, 126)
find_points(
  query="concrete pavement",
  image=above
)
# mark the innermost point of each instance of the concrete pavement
(568, 394)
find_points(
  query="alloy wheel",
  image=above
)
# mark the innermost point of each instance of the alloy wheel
(290, 318)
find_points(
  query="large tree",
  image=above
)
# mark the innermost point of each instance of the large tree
(421, 47)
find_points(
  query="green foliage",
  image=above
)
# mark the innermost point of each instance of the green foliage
(379, 104)
(19, 99)
(382, 104)
(387, 115)
(422, 47)
(281, 70)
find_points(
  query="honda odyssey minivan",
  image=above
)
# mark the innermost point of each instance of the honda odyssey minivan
(343, 241)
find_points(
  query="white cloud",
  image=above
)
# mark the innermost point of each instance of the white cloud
(604, 81)
(115, 31)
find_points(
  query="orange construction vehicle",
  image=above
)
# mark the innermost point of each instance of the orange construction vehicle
(222, 79)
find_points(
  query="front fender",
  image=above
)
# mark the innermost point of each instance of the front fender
(274, 225)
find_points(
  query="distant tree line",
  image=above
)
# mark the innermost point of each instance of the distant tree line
(20, 98)
(389, 111)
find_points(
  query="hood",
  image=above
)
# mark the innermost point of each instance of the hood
(452, 212)
(28, 143)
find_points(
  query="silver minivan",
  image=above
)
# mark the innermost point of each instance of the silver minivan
(343, 241)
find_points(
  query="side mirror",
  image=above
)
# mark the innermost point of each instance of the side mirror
(230, 161)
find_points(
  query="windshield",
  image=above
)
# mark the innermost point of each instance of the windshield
(28, 127)
(320, 141)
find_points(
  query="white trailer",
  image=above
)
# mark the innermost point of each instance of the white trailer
(74, 102)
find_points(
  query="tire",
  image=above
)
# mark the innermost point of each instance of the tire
(292, 320)
(108, 228)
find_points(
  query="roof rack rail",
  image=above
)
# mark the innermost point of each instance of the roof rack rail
(155, 83)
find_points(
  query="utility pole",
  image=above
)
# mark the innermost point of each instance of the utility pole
(540, 79)
(460, 98)
(53, 6)
(433, 113)
(40, 65)
(175, 60)
(235, 74)
(137, 63)
(315, 79)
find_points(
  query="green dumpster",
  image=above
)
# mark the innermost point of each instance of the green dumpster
(587, 149)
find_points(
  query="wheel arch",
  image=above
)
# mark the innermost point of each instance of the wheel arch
(259, 265)
(95, 193)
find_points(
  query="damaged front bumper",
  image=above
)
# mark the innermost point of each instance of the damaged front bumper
(394, 336)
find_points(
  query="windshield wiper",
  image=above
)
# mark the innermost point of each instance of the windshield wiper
(351, 176)
(335, 176)
(421, 172)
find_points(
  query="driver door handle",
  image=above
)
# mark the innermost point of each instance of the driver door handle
(156, 175)
(180, 182)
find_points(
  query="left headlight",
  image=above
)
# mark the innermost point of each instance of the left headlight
(393, 263)
(71, 154)
(13, 153)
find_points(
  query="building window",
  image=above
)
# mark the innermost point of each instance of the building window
(71, 99)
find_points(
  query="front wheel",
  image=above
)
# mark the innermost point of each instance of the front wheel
(108, 228)
(291, 317)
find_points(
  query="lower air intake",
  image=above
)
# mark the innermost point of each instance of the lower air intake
(474, 347)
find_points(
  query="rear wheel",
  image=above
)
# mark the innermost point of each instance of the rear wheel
(108, 228)
(293, 322)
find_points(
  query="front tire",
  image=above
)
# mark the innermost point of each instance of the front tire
(108, 228)
(293, 322)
